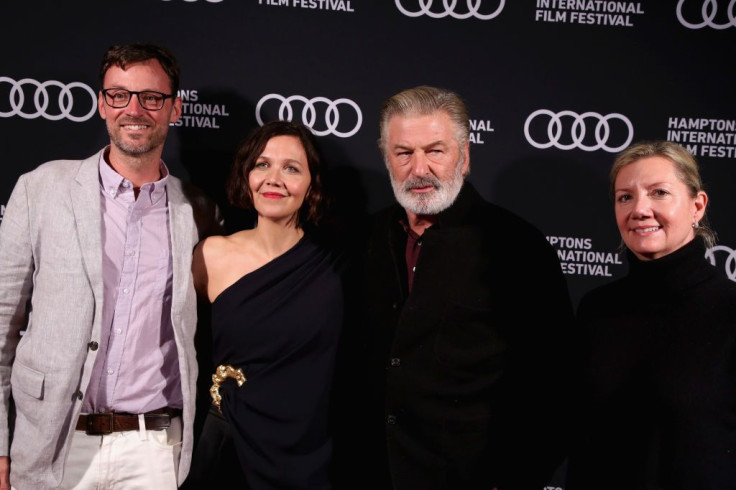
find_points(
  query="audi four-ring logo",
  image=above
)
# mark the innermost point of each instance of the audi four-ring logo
(424, 7)
(309, 113)
(730, 263)
(708, 12)
(577, 131)
(70, 102)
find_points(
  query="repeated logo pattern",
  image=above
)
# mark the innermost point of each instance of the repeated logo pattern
(708, 13)
(309, 112)
(449, 7)
(577, 130)
(70, 101)
(730, 259)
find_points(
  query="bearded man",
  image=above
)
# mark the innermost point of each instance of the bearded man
(467, 321)
(97, 302)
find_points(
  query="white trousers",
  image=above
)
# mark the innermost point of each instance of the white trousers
(128, 460)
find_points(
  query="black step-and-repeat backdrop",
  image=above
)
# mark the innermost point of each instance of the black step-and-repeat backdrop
(555, 88)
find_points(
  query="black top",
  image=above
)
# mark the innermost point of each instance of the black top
(281, 324)
(658, 404)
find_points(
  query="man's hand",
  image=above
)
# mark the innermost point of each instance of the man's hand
(4, 473)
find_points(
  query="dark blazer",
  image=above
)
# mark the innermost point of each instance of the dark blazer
(465, 374)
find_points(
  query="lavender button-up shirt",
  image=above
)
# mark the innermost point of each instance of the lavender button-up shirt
(137, 368)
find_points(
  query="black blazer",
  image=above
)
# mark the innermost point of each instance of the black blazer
(463, 380)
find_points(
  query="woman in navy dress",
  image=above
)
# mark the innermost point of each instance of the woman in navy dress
(277, 311)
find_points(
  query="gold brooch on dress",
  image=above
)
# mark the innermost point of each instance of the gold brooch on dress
(223, 372)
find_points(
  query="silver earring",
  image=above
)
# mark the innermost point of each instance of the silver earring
(696, 225)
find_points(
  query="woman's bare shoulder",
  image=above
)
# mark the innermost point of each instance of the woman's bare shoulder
(216, 246)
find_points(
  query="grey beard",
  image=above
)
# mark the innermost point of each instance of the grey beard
(429, 203)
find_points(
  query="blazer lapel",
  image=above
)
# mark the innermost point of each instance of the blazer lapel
(85, 199)
(183, 239)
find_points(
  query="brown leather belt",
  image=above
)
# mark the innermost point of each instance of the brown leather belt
(99, 424)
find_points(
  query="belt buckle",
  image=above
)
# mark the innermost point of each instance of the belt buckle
(100, 424)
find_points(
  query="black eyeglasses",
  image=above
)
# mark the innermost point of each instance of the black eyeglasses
(117, 98)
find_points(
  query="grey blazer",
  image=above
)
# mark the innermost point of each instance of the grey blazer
(51, 289)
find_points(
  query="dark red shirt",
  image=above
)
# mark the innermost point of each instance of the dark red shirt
(413, 247)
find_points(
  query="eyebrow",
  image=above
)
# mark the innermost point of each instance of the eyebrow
(286, 160)
(119, 87)
(653, 184)
(428, 145)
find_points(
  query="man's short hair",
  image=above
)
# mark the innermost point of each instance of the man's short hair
(124, 54)
(421, 101)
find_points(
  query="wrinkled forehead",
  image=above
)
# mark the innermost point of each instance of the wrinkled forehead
(435, 126)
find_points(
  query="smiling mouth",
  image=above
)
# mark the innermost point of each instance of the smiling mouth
(647, 230)
(135, 127)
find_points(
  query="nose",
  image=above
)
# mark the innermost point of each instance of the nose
(419, 166)
(641, 207)
(134, 106)
(273, 176)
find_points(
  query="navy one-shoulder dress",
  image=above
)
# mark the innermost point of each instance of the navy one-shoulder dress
(281, 325)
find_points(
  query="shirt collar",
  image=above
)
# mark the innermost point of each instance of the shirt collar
(118, 187)
(405, 225)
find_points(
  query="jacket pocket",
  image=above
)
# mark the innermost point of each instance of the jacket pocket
(27, 380)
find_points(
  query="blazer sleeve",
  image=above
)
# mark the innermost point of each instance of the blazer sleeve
(16, 283)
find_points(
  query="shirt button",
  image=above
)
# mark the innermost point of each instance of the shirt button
(118, 330)
(125, 290)
(395, 305)
(395, 362)
(110, 371)
(93, 345)
(391, 420)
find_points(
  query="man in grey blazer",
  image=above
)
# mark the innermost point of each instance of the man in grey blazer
(97, 305)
